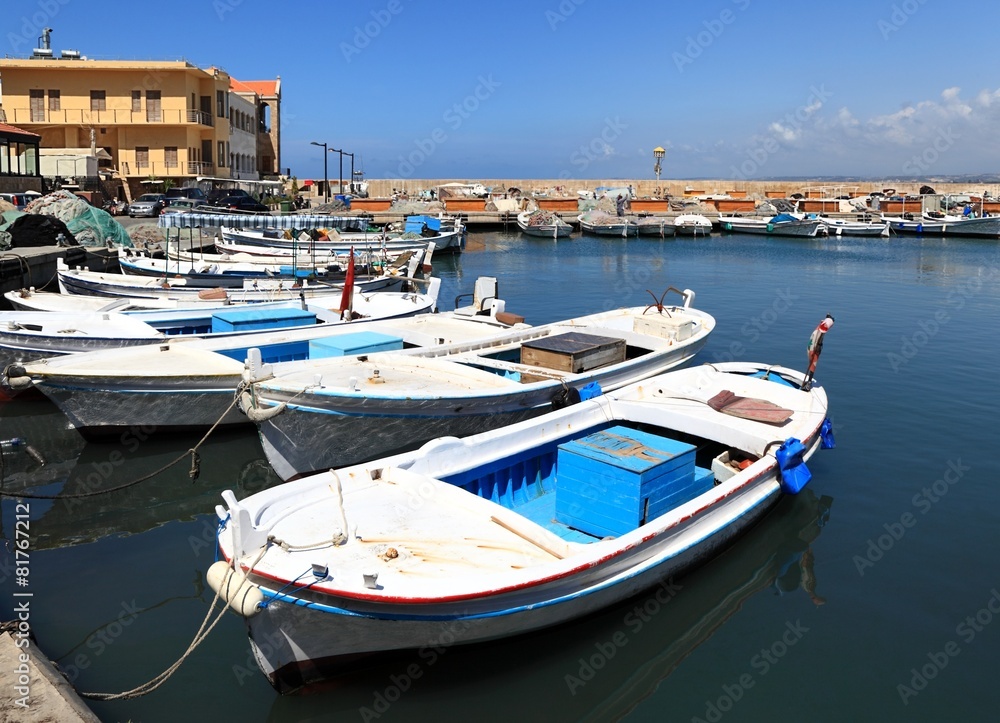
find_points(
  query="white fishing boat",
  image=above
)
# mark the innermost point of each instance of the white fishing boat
(849, 227)
(447, 234)
(491, 536)
(544, 224)
(98, 283)
(656, 226)
(189, 383)
(31, 299)
(783, 224)
(604, 224)
(692, 224)
(332, 412)
(938, 224)
(28, 335)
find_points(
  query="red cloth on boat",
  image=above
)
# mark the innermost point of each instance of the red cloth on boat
(757, 410)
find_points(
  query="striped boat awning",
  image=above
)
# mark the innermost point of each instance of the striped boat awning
(261, 222)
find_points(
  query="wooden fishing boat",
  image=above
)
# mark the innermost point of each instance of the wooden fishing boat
(332, 412)
(544, 224)
(604, 224)
(656, 226)
(470, 540)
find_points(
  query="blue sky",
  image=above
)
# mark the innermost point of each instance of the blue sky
(734, 89)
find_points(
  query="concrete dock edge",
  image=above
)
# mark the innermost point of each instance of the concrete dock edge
(33, 691)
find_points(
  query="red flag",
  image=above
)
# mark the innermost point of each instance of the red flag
(347, 299)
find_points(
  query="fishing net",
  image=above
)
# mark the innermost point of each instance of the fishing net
(90, 226)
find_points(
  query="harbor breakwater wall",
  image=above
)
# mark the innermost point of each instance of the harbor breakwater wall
(384, 187)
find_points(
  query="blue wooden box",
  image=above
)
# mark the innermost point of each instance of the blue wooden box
(258, 319)
(359, 342)
(611, 482)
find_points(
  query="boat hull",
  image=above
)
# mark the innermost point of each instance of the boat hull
(797, 229)
(293, 660)
(320, 431)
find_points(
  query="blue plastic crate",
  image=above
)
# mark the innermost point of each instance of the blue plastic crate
(608, 482)
(256, 319)
(359, 342)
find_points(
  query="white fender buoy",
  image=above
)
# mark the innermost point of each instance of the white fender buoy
(239, 593)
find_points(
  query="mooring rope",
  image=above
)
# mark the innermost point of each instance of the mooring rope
(151, 685)
(193, 473)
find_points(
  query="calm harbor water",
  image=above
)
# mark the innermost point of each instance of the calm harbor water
(873, 595)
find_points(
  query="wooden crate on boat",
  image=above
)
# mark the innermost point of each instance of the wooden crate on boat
(572, 352)
(611, 482)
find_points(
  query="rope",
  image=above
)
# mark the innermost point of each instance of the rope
(193, 472)
(151, 685)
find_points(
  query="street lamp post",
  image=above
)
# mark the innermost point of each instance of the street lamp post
(326, 181)
(658, 154)
(352, 171)
(340, 188)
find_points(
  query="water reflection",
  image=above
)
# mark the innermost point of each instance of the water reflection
(597, 669)
(230, 460)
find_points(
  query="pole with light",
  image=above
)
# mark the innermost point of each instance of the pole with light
(326, 180)
(340, 188)
(658, 154)
(351, 183)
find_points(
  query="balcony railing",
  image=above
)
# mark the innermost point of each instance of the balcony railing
(200, 168)
(115, 116)
(200, 117)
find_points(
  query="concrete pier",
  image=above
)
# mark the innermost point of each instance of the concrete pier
(33, 690)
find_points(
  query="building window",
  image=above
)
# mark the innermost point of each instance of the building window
(98, 100)
(170, 156)
(37, 100)
(142, 156)
(153, 113)
(222, 153)
(220, 103)
(55, 100)
(137, 101)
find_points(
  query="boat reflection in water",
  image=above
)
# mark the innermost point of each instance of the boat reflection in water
(599, 668)
(168, 495)
(40, 447)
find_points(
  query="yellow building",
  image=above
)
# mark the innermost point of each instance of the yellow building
(156, 119)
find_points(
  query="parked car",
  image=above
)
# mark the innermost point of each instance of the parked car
(182, 205)
(17, 200)
(148, 204)
(187, 192)
(217, 194)
(241, 203)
